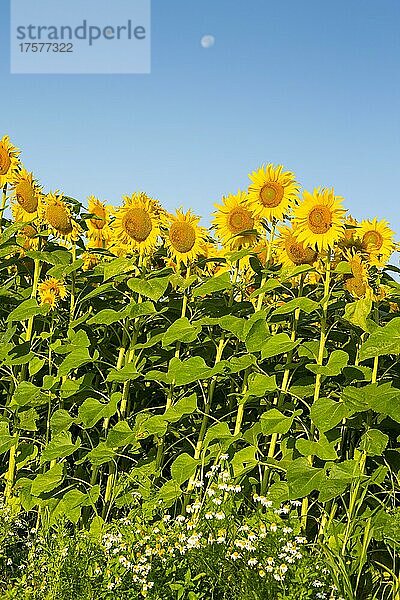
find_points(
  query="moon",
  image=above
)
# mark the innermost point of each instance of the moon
(207, 41)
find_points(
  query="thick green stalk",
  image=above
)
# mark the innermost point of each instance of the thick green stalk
(240, 411)
(267, 261)
(111, 477)
(3, 206)
(109, 488)
(9, 476)
(29, 329)
(28, 336)
(286, 374)
(170, 397)
(118, 366)
(355, 487)
(183, 311)
(73, 286)
(318, 377)
(210, 396)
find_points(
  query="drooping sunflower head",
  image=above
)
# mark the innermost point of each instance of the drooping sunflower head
(136, 227)
(357, 266)
(234, 221)
(56, 215)
(90, 260)
(99, 231)
(377, 240)
(51, 291)
(26, 195)
(184, 238)
(272, 192)
(290, 251)
(319, 219)
(350, 241)
(357, 281)
(9, 162)
(27, 236)
(357, 286)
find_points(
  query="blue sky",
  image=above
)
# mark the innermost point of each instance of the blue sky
(311, 84)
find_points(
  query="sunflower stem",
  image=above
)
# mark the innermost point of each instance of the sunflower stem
(318, 377)
(9, 477)
(183, 311)
(284, 386)
(267, 261)
(204, 422)
(3, 206)
(73, 286)
(240, 410)
(28, 336)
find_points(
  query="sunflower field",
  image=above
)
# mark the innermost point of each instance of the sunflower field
(197, 413)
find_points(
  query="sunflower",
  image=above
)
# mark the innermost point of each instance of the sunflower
(89, 261)
(272, 192)
(99, 231)
(377, 240)
(357, 286)
(56, 214)
(357, 282)
(9, 162)
(234, 222)
(137, 226)
(319, 219)
(27, 236)
(290, 251)
(185, 239)
(26, 196)
(51, 291)
(357, 266)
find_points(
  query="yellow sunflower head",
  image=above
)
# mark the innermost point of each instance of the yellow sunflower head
(26, 196)
(319, 219)
(56, 215)
(9, 162)
(234, 222)
(376, 239)
(51, 291)
(290, 251)
(357, 286)
(99, 231)
(357, 266)
(136, 227)
(184, 238)
(27, 236)
(272, 192)
(349, 242)
(357, 282)
(89, 261)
